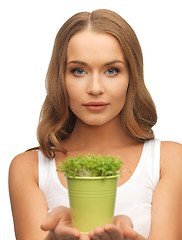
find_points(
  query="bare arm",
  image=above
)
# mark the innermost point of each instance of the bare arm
(167, 198)
(28, 203)
(166, 204)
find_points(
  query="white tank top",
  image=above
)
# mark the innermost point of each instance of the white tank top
(134, 197)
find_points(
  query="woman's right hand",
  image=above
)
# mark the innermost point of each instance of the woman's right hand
(59, 223)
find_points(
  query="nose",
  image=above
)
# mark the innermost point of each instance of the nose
(95, 86)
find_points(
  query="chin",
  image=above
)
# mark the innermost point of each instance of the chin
(96, 122)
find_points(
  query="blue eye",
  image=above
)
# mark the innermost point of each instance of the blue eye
(78, 71)
(112, 71)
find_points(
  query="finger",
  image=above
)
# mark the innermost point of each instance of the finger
(125, 224)
(105, 236)
(114, 232)
(52, 219)
(121, 220)
(64, 232)
(94, 234)
(115, 235)
(84, 237)
(129, 232)
(99, 234)
(96, 237)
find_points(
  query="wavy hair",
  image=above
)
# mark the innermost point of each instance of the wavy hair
(56, 119)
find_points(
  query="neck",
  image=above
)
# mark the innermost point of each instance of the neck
(98, 138)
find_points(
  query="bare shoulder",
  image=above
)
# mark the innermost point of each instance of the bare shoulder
(24, 164)
(171, 157)
(171, 149)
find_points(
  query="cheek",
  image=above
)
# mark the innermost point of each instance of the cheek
(73, 96)
(71, 90)
(120, 92)
(74, 88)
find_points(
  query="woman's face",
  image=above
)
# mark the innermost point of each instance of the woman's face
(96, 77)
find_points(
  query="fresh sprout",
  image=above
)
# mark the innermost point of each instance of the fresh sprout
(91, 165)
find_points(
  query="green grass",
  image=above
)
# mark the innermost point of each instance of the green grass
(91, 165)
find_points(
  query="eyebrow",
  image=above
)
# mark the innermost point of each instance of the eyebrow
(106, 64)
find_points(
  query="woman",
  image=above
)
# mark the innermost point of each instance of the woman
(97, 102)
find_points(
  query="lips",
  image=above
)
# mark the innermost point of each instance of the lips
(96, 106)
(92, 103)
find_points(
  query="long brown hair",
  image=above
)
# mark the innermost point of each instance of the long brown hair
(56, 119)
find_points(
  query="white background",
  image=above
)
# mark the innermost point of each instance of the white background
(27, 32)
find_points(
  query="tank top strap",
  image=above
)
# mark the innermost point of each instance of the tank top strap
(49, 183)
(44, 166)
(157, 155)
(151, 156)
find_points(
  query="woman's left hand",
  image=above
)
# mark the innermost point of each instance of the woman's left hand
(121, 229)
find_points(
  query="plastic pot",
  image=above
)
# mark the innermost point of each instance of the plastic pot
(92, 201)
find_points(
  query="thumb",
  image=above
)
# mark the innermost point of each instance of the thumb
(123, 220)
(125, 224)
(130, 233)
(52, 219)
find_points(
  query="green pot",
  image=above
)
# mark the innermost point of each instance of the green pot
(92, 201)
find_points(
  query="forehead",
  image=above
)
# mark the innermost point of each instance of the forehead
(88, 45)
